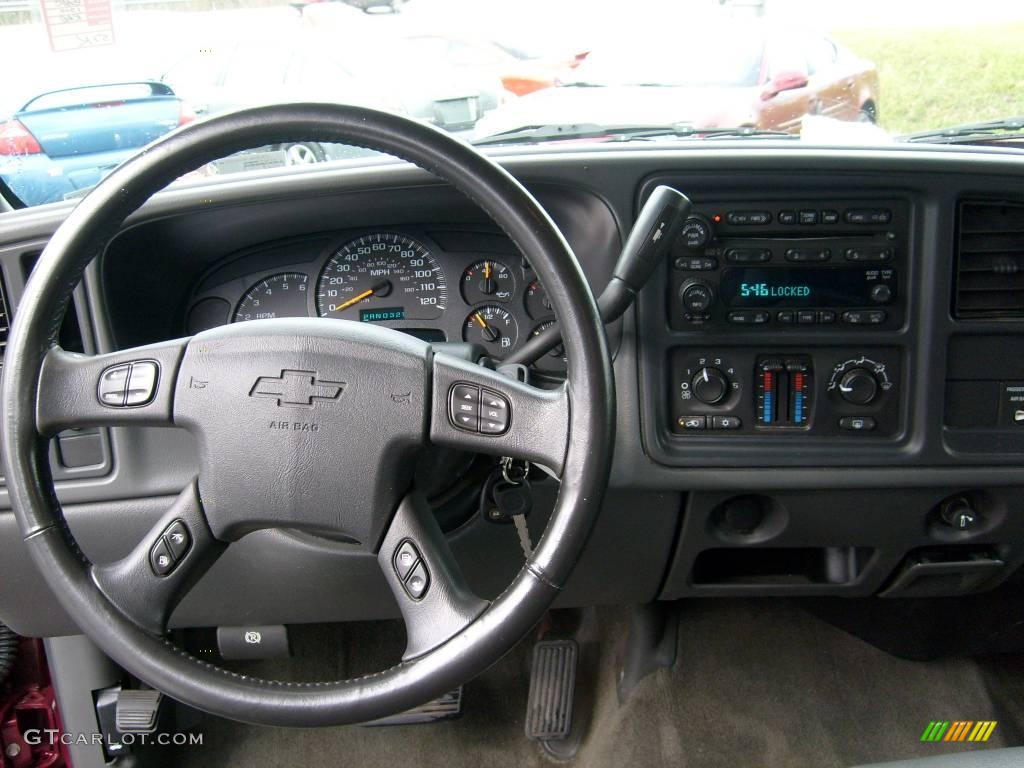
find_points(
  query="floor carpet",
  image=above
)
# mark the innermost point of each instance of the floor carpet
(756, 683)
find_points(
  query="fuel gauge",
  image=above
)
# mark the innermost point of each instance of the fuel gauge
(493, 328)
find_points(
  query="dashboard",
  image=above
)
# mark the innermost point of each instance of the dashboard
(821, 392)
(440, 286)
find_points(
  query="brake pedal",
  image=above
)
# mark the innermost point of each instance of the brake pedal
(442, 708)
(552, 690)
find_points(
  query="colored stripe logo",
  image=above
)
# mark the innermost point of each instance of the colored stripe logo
(959, 730)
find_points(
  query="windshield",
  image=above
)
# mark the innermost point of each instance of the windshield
(91, 82)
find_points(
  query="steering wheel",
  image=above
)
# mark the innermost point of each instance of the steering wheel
(309, 424)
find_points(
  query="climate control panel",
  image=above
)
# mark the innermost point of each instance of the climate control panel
(778, 391)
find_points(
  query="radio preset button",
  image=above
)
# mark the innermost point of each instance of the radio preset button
(808, 254)
(869, 254)
(748, 255)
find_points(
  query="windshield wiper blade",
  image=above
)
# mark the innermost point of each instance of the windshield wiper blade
(539, 133)
(969, 133)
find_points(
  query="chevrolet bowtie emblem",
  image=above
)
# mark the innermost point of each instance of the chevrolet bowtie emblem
(296, 388)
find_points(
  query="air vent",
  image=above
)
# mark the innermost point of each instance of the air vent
(990, 261)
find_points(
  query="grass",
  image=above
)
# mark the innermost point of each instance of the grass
(936, 77)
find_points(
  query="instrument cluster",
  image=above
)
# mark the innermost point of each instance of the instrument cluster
(400, 279)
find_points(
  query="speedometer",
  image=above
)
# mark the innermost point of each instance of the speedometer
(382, 276)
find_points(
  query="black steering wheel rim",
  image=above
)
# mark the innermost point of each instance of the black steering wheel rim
(84, 234)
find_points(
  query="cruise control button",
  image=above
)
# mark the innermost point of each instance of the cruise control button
(178, 539)
(726, 422)
(113, 384)
(405, 558)
(418, 582)
(160, 558)
(141, 383)
(857, 423)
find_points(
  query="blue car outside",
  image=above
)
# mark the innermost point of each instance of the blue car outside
(63, 142)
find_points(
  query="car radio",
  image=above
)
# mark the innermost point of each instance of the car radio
(795, 264)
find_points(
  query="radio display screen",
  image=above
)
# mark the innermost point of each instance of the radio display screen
(802, 286)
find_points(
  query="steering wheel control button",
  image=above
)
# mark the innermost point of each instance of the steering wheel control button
(406, 557)
(128, 384)
(494, 413)
(418, 582)
(178, 539)
(161, 559)
(113, 385)
(464, 407)
(141, 383)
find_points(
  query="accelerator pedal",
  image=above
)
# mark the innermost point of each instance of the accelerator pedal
(552, 690)
(443, 708)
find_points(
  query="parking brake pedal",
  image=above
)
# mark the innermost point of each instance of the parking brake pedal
(552, 690)
(137, 711)
(442, 708)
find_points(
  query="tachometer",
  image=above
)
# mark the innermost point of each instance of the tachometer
(282, 295)
(382, 276)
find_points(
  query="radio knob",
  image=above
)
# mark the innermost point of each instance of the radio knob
(696, 233)
(696, 296)
(710, 386)
(881, 294)
(858, 386)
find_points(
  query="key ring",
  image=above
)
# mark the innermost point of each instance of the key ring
(512, 472)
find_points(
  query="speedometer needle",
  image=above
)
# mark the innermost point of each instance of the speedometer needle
(364, 295)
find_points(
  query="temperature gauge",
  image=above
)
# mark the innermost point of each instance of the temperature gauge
(538, 305)
(488, 281)
(553, 361)
(493, 328)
